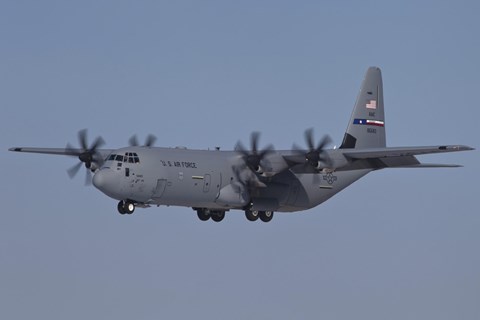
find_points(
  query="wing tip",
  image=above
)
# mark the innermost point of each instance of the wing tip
(15, 149)
(437, 165)
(456, 148)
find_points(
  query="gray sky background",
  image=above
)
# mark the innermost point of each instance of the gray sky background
(398, 244)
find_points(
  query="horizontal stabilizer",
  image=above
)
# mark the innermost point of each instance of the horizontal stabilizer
(431, 165)
(377, 153)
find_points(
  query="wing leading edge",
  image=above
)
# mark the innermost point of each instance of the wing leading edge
(59, 151)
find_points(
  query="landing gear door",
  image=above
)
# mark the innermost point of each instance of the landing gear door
(159, 189)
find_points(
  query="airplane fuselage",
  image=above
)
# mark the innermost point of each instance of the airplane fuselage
(202, 179)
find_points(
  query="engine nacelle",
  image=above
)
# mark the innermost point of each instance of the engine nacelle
(272, 164)
(321, 165)
(94, 166)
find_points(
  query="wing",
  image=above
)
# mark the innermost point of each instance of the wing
(60, 151)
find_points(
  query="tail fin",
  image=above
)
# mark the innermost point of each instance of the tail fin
(366, 128)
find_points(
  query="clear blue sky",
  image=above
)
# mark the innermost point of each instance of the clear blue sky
(398, 244)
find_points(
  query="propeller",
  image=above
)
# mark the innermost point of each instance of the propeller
(241, 183)
(315, 154)
(148, 142)
(246, 181)
(86, 155)
(253, 157)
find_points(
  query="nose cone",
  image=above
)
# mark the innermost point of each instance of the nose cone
(103, 180)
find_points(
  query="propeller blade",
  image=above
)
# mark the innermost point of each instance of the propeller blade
(309, 139)
(325, 141)
(133, 142)
(88, 177)
(236, 171)
(240, 148)
(96, 144)
(150, 140)
(72, 172)
(267, 150)
(82, 139)
(254, 137)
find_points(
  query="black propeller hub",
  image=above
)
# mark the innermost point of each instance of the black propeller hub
(314, 154)
(253, 157)
(313, 157)
(253, 161)
(86, 155)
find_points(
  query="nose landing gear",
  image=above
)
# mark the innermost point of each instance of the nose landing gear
(126, 207)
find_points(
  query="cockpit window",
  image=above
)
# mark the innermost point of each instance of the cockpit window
(129, 157)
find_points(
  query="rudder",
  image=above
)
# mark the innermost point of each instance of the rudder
(366, 128)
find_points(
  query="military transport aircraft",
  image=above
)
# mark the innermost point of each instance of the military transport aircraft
(256, 181)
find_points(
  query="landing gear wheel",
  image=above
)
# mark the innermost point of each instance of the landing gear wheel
(120, 208)
(126, 207)
(218, 216)
(203, 215)
(129, 207)
(252, 215)
(266, 216)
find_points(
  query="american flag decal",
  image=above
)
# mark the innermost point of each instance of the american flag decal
(372, 104)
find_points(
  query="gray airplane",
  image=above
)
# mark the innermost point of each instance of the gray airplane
(256, 181)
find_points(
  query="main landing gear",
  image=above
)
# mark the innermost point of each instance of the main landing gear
(205, 214)
(253, 215)
(218, 215)
(126, 207)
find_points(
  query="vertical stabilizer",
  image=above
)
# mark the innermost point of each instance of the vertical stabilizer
(366, 128)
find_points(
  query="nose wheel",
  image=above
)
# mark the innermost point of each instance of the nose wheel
(126, 207)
